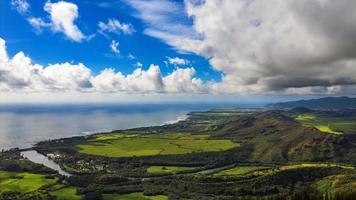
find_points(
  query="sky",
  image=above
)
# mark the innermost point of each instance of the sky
(165, 50)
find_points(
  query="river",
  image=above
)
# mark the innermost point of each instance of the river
(24, 125)
(36, 157)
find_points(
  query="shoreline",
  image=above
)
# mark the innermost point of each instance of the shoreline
(89, 133)
(168, 122)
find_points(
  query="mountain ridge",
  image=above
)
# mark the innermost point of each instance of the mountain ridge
(326, 103)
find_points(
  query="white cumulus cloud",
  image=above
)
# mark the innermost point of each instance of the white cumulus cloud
(19, 74)
(294, 46)
(63, 15)
(115, 26)
(177, 61)
(291, 46)
(182, 80)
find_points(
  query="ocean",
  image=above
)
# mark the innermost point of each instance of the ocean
(24, 125)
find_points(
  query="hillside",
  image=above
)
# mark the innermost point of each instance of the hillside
(277, 137)
(327, 103)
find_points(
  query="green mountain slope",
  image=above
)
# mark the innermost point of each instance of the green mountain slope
(326, 103)
(277, 137)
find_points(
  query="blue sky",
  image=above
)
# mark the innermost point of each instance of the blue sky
(47, 47)
(178, 50)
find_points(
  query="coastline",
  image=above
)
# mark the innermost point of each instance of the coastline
(90, 133)
(33, 155)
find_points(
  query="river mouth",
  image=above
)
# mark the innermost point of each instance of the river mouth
(38, 158)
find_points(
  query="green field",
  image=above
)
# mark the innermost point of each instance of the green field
(326, 129)
(146, 145)
(264, 170)
(167, 169)
(67, 193)
(240, 170)
(28, 182)
(328, 124)
(303, 165)
(133, 196)
(23, 182)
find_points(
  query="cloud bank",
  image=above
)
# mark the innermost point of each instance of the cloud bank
(292, 47)
(297, 45)
(19, 74)
(275, 46)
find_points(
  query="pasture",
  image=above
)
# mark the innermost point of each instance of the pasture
(154, 144)
(23, 182)
(29, 182)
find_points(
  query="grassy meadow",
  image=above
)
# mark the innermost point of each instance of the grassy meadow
(29, 182)
(23, 182)
(120, 145)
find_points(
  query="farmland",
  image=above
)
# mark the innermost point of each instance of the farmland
(31, 183)
(147, 145)
(23, 182)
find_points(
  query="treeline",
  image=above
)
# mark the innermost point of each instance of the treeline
(290, 184)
